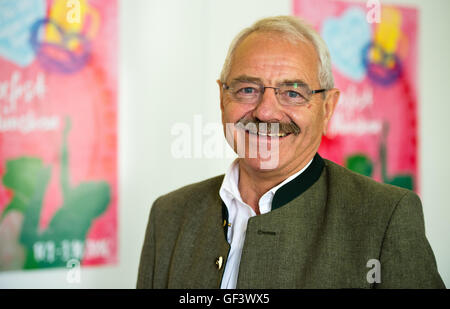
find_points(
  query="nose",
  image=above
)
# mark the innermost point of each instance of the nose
(268, 109)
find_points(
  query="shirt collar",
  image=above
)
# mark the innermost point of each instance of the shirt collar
(230, 189)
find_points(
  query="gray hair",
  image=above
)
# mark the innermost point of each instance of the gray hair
(291, 28)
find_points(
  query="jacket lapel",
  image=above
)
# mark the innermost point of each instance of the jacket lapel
(200, 254)
(279, 246)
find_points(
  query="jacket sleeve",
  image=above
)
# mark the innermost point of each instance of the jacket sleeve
(147, 261)
(406, 259)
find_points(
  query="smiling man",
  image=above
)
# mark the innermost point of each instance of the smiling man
(283, 217)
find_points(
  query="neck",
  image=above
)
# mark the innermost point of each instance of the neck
(253, 184)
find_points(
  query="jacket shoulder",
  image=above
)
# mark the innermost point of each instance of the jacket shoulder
(190, 197)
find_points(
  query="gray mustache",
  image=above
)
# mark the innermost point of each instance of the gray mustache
(254, 125)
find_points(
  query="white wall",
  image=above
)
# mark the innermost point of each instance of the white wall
(171, 53)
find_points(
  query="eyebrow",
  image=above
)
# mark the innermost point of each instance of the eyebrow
(299, 82)
(251, 79)
(246, 78)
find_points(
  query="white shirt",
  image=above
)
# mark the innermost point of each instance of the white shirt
(238, 215)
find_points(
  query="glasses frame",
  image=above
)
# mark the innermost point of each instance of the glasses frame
(263, 88)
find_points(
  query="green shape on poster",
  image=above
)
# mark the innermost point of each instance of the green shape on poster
(83, 204)
(53, 247)
(22, 178)
(360, 163)
(404, 181)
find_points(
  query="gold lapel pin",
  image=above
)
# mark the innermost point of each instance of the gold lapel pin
(219, 262)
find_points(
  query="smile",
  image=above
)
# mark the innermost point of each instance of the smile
(267, 134)
(276, 130)
(261, 133)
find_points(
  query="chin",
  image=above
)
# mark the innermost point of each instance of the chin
(261, 165)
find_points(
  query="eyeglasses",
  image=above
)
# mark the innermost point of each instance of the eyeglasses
(287, 93)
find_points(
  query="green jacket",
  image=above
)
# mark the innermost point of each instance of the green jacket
(321, 233)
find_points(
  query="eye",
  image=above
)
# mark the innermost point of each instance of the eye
(292, 97)
(293, 94)
(290, 94)
(247, 90)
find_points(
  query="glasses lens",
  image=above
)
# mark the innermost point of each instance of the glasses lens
(288, 94)
(294, 94)
(245, 92)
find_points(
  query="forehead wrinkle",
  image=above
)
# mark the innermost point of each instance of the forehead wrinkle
(247, 78)
(258, 55)
(277, 72)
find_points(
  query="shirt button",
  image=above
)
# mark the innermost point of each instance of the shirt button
(219, 262)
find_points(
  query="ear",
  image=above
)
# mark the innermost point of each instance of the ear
(222, 108)
(221, 93)
(330, 103)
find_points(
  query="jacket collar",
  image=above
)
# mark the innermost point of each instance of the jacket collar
(300, 184)
(290, 190)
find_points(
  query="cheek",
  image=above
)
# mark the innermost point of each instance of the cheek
(302, 118)
(309, 120)
(232, 112)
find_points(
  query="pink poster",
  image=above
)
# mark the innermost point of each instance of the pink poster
(58, 133)
(374, 54)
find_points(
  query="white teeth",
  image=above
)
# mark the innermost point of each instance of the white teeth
(272, 134)
(265, 134)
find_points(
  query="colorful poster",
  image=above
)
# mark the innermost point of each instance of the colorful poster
(374, 54)
(58, 133)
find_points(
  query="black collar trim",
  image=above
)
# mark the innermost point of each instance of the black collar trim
(299, 184)
(291, 190)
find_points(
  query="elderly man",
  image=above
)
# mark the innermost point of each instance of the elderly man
(288, 218)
